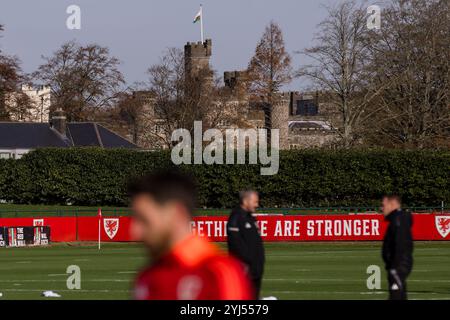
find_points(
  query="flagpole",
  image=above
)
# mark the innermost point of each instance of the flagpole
(99, 228)
(201, 22)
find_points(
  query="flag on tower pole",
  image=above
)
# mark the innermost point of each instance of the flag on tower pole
(199, 17)
(99, 227)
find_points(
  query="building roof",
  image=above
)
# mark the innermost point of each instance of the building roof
(23, 135)
(310, 125)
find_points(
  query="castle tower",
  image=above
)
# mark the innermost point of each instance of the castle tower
(277, 117)
(197, 55)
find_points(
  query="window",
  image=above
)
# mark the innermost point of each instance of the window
(5, 155)
(158, 129)
(307, 108)
(223, 123)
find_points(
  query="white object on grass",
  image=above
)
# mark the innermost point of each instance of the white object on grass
(50, 294)
(269, 298)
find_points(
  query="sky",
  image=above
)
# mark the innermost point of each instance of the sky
(138, 31)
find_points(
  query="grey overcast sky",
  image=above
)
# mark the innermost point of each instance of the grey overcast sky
(138, 31)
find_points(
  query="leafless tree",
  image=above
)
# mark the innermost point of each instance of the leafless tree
(82, 79)
(411, 52)
(338, 67)
(128, 113)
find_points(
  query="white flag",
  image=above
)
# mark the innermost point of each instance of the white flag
(198, 17)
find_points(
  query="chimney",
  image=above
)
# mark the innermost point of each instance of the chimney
(59, 122)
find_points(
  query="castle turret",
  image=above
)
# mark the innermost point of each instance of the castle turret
(197, 55)
(277, 117)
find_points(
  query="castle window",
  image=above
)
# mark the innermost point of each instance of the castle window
(307, 108)
(223, 123)
(158, 129)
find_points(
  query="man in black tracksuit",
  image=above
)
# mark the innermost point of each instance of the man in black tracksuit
(397, 246)
(244, 241)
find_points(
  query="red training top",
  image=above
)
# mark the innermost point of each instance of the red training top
(194, 270)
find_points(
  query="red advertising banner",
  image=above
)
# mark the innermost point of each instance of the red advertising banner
(361, 227)
(273, 228)
(116, 229)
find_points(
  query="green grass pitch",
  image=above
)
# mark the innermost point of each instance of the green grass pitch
(293, 271)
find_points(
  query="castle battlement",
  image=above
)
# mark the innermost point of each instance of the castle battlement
(198, 49)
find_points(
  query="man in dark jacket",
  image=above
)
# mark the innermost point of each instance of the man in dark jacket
(244, 240)
(397, 246)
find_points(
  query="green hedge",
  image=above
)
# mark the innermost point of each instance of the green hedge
(306, 178)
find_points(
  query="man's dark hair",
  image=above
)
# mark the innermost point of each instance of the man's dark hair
(164, 187)
(394, 197)
(246, 193)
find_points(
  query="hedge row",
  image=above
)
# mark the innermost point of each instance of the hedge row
(306, 178)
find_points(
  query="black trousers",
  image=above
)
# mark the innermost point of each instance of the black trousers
(257, 281)
(397, 285)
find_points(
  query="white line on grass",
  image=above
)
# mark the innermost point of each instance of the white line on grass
(314, 292)
(302, 270)
(54, 280)
(346, 280)
(373, 292)
(347, 251)
(287, 280)
(335, 256)
(344, 292)
(63, 290)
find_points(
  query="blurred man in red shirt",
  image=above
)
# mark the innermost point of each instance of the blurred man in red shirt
(184, 266)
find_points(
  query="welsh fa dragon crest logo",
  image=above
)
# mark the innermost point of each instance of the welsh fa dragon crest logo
(111, 226)
(443, 225)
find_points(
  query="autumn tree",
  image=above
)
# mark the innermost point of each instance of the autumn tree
(20, 106)
(12, 102)
(82, 79)
(270, 67)
(10, 77)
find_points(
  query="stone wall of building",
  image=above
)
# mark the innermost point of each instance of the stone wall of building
(309, 139)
